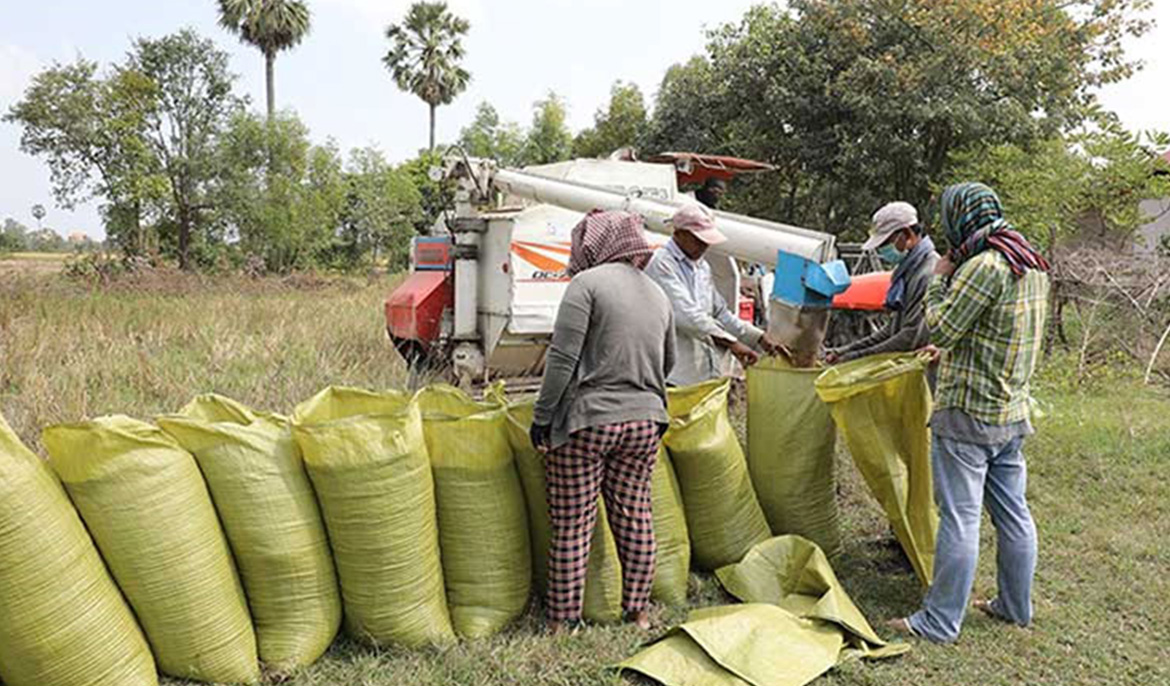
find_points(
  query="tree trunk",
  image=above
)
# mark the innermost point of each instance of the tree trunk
(184, 239)
(432, 148)
(270, 79)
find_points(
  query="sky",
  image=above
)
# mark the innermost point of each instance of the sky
(517, 51)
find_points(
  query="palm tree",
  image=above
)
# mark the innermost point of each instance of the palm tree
(425, 53)
(270, 26)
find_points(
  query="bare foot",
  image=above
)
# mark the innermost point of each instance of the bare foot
(556, 628)
(901, 626)
(987, 607)
(641, 620)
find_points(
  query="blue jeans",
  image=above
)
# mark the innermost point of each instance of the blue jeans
(966, 477)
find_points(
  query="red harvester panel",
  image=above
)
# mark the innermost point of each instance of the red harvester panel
(866, 292)
(415, 309)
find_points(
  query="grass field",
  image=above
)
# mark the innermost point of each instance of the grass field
(1099, 485)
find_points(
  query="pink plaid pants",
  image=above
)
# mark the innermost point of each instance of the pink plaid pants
(617, 461)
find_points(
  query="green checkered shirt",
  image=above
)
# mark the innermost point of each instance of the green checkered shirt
(991, 325)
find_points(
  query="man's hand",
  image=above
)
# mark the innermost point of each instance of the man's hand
(945, 266)
(933, 352)
(746, 356)
(541, 436)
(832, 356)
(773, 347)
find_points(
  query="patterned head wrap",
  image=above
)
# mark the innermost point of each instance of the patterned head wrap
(608, 236)
(973, 221)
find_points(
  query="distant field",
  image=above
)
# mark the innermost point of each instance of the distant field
(34, 263)
(1099, 486)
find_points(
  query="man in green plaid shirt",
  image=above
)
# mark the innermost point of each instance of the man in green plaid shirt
(986, 307)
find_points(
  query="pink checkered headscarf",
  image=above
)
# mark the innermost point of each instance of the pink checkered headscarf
(608, 236)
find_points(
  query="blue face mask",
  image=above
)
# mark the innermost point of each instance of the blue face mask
(890, 253)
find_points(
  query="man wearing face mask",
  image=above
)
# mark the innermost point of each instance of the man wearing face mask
(900, 242)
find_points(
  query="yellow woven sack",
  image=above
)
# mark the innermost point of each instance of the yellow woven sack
(265, 501)
(62, 619)
(603, 577)
(673, 568)
(483, 522)
(367, 459)
(724, 518)
(143, 499)
(882, 404)
(791, 452)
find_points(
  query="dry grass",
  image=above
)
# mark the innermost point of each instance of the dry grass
(1099, 484)
(70, 352)
(31, 263)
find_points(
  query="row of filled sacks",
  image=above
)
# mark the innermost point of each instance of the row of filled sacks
(208, 525)
(409, 488)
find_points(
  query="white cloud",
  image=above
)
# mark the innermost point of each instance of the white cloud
(17, 66)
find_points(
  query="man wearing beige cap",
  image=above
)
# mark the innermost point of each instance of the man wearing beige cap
(898, 238)
(704, 325)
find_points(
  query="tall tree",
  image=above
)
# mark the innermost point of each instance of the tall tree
(38, 213)
(425, 55)
(270, 26)
(277, 193)
(862, 101)
(191, 108)
(622, 124)
(549, 139)
(91, 129)
(688, 110)
(382, 208)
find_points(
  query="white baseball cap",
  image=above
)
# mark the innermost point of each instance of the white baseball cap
(700, 222)
(889, 220)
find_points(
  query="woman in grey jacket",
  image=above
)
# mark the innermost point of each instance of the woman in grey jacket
(602, 411)
(900, 242)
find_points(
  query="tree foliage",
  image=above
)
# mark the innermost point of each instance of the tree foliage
(192, 104)
(13, 236)
(858, 102)
(271, 26)
(140, 137)
(426, 54)
(1087, 185)
(279, 195)
(91, 131)
(622, 124)
(488, 137)
(436, 196)
(689, 111)
(381, 212)
(549, 139)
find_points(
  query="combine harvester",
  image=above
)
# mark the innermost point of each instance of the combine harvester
(481, 301)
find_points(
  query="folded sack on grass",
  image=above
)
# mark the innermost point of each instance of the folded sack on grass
(798, 623)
